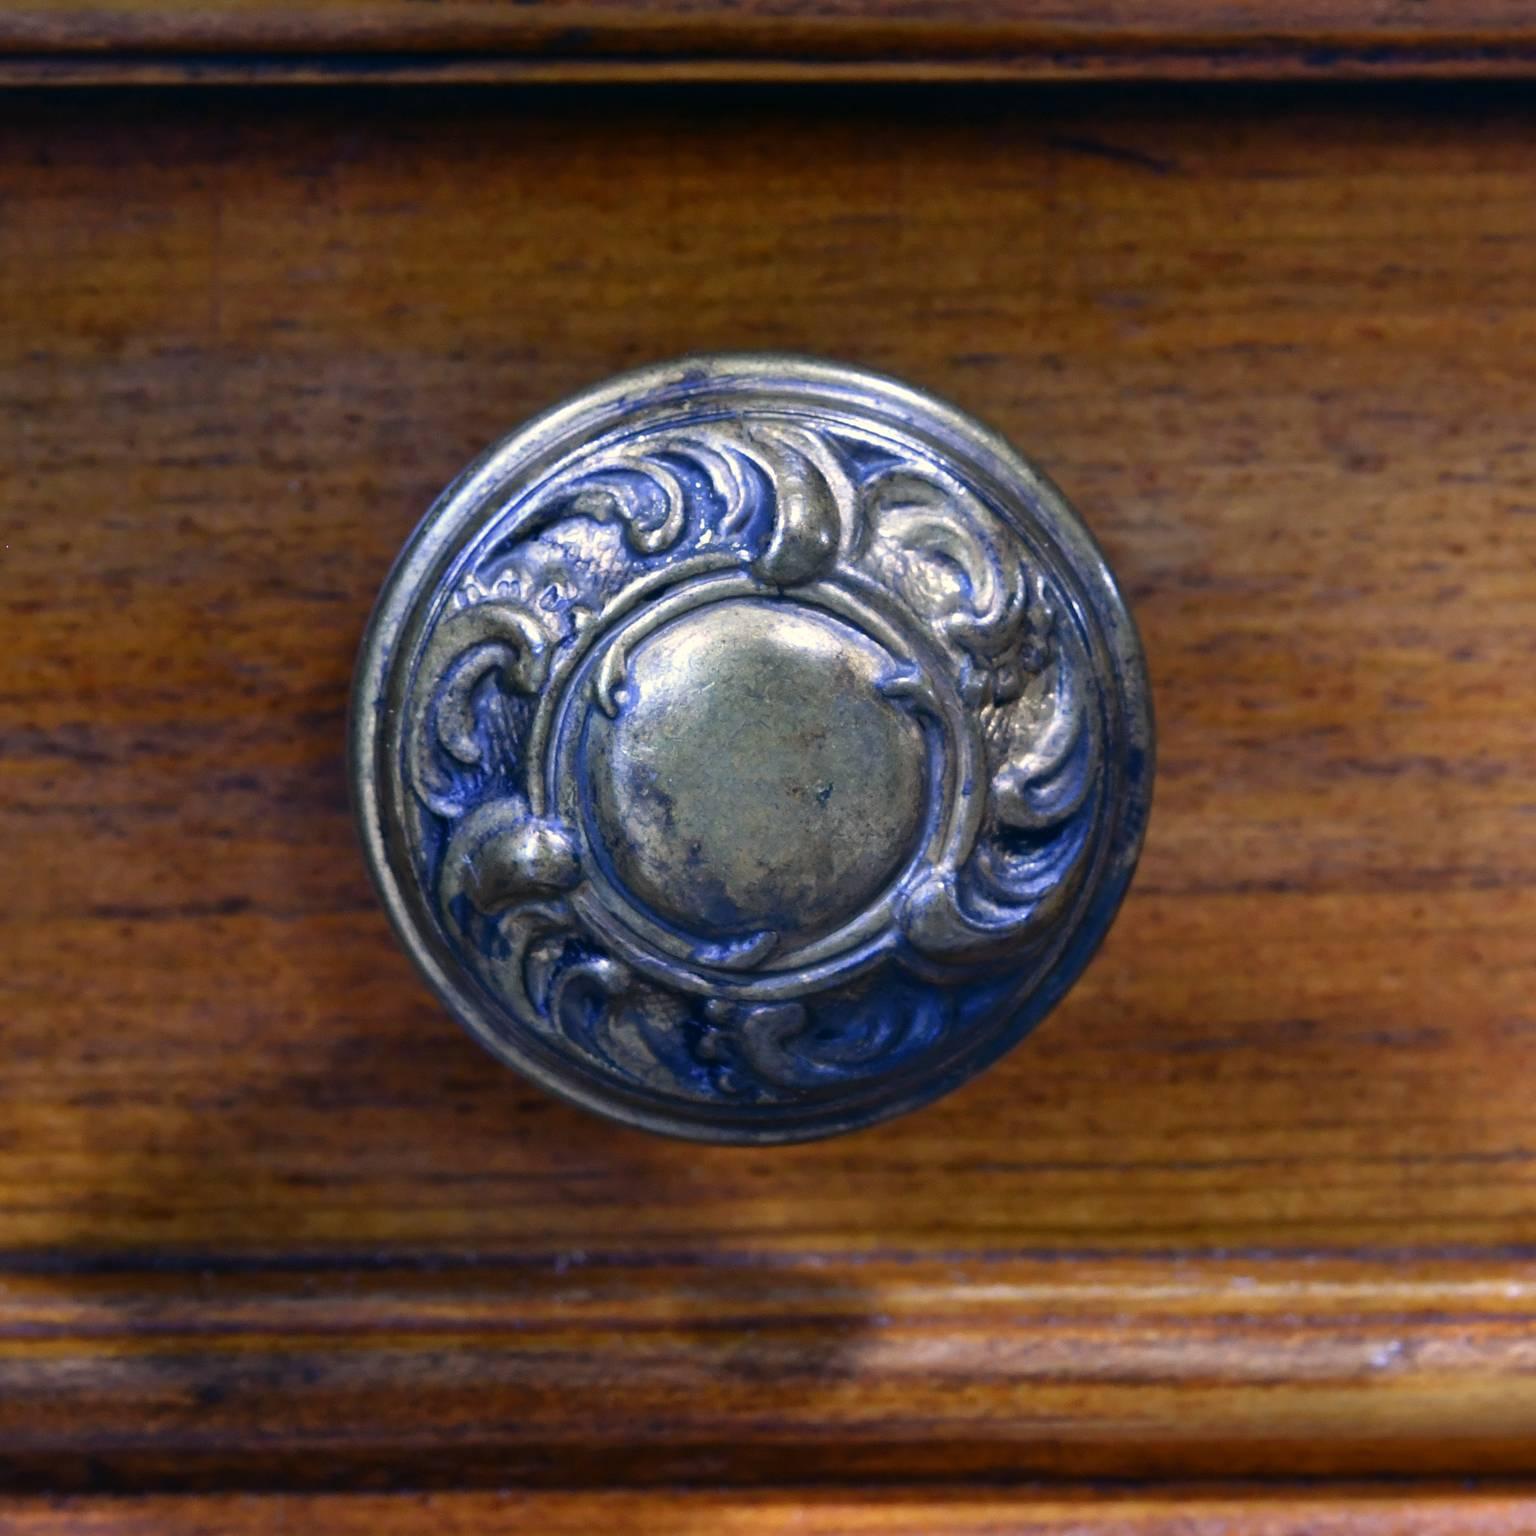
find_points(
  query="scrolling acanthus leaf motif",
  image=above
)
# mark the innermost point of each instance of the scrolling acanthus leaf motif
(792, 507)
(957, 567)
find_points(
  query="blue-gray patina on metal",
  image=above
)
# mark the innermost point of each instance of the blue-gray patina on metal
(751, 748)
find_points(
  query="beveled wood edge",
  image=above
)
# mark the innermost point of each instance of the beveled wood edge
(962, 1511)
(1194, 64)
(170, 41)
(757, 1370)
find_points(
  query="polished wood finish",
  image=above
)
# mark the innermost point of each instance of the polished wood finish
(72, 40)
(1258, 1201)
(821, 1367)
(1186, 1512)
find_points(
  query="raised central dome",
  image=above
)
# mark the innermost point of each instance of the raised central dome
(755, 777)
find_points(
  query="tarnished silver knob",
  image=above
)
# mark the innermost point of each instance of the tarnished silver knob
(751, 748)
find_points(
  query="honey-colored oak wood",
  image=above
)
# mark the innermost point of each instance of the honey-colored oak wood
(175, 40)
(1257, 1201)
(1178, 1512)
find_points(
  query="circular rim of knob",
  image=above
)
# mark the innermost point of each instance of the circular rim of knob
(800, 530)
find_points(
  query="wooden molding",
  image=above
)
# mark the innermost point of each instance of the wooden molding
(164, 41)
(803, 1368)
(1347, 1511)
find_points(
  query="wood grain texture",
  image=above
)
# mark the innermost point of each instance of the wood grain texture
(809, 1368)
(1259, 1199)
(72, 40)
(965, 1512)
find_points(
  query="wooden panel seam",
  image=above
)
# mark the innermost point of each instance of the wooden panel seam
(490, 67)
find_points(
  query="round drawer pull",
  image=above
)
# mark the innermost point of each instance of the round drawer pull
(751, 748)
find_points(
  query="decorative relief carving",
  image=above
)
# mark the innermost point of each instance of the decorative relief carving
(557, 814)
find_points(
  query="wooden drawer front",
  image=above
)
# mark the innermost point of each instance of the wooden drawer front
(1258, 1201)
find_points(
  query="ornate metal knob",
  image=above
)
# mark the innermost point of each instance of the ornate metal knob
(751, 748)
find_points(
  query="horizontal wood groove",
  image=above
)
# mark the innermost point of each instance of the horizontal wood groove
(965, 1511)
(490, 69)
(70, 41)
(574, 1371)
